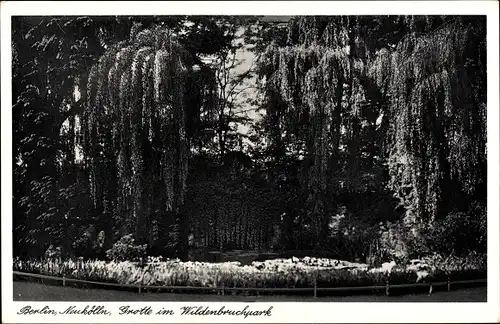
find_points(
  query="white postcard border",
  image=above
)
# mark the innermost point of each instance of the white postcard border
(310, 312)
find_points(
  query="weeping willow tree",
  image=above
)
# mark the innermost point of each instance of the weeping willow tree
(310, 92)
(434, 86)
(316, 92)
(324, 91)
(135, 139)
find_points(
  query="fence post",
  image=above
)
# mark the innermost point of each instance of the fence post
(449, 284)
(315, 289)
(140, 288)
(430, 288)
(64, 281)
(387, 288)
(223, 289)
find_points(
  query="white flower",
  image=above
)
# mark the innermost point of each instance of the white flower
(421, 275)
(387, 266)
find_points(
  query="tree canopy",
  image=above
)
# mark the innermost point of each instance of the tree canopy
(129, 126)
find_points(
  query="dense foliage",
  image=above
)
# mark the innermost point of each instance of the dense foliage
(126, 249)
(403, 115)
(370, 143)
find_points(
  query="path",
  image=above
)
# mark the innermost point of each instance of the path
(31, 291)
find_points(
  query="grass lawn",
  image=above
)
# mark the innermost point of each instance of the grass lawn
(33, 291)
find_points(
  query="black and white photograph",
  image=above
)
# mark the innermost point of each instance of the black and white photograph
(237, 159)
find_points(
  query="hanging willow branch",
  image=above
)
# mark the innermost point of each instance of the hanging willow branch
(437, 123)
(136, 115)
(318, 87)
(432, 108)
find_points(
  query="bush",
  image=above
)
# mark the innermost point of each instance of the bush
(353, 244)
(391, 242)
(459, 233)
(126, 250)
(53, 253)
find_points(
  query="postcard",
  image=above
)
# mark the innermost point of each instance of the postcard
(250, 162)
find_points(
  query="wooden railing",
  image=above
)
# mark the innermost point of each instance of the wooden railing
(222, 290)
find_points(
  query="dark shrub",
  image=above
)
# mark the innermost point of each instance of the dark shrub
(126, 249)
(459, 233)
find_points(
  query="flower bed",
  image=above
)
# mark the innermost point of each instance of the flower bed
(278, 273)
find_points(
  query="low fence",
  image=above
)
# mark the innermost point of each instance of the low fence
(222, 290)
